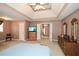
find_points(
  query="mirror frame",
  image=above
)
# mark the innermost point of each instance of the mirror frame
(74, 29)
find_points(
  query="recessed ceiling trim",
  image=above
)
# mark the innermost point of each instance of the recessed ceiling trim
(62, 9)
(70, 14)
(28, 18)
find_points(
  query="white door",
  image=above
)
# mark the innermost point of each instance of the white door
(22, 31)
(38, 32)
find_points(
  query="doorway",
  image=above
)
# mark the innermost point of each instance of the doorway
(49, 31)
(45, 31)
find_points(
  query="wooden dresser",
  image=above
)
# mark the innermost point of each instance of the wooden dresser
(70, 48)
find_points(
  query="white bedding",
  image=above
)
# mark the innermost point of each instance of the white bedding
(26, 49)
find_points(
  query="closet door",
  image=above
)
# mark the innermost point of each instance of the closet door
(38, 31)
(22, 31)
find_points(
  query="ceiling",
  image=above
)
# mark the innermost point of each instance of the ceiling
(22, 11)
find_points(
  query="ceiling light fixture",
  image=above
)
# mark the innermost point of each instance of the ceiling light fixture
(39, 6)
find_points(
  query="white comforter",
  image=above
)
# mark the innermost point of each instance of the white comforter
(26, 49)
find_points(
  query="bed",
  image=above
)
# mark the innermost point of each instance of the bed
(26, 49)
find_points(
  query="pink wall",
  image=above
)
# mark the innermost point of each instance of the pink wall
(15, 28)
(68, 20)
(56, 27)
(6, 29)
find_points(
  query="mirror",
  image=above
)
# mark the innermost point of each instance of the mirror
(65, 28)
(74, 29)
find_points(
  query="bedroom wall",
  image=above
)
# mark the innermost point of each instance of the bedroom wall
(6, 29)
(56, 27)
(26, 29)
(15, 28)
(68, 20)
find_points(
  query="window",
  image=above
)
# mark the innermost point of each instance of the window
(1, 27)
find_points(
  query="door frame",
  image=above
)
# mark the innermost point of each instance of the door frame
(39, 31)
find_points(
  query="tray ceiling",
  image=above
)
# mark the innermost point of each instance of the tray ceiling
(24, 11)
